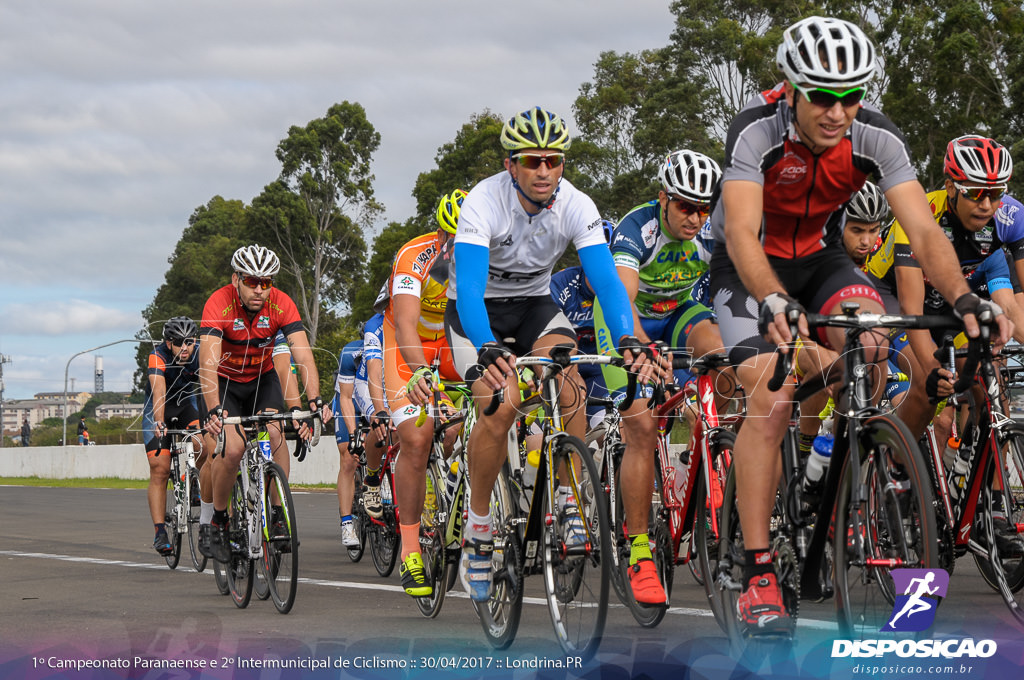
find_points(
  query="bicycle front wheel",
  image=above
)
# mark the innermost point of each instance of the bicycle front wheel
(884, 520)
(171, 524)
(709, 494)
(280, 541)
(432, 543)
(577, 565)
(198, 559)
(500, 614)
(240, 568)
(662, 551)
(382, 535)
(355, 553)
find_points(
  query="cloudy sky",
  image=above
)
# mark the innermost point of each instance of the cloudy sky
(118, 119)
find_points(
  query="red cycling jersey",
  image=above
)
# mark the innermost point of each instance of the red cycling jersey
(247, 343)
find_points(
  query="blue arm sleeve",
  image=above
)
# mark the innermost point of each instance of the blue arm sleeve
(996, 271)
(471, 262)
(600, 270)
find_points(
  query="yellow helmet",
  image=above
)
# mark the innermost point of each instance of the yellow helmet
(448, 210)
(535, 129)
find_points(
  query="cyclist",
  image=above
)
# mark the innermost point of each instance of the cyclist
(343, 406)
(660, 254)
(572, 293)
(794, 157)
(413, 338)
(512, 228)
(237, 375)
(171, 382)
(372, 406)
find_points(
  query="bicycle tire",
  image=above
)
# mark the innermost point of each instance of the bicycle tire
(220, 578)
(240, 568)
(617, 516)
(894, 519)
(382, 536)
(575, 575)
(281, 541)
(705, 541)
(663, 553)
(1004, 574)
(500, 614)
(171, 524)
(199, 560)
(432, 543)
(355, 553)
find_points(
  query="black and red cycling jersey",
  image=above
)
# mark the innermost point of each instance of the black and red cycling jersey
(247, 340)
(804, 193)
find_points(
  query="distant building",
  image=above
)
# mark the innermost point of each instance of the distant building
(105, 411)
(44, 405)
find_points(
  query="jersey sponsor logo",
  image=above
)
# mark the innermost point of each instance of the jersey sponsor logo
(676, 256)
(594, 225)
(507, 242)
(1007, 214)
(263, 322)
(424, 258)
(227, 310)
(238, 325)
(664, 305)
(515, 276)
(406, 281)
(792, 169)
(649, 232)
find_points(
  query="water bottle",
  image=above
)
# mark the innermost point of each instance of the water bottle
(681, 464)
(452, 479)
(817, 463)
(263, 439)
(958, 476)
(530, 469)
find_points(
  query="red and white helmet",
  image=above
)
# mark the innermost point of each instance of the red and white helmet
(979, 160)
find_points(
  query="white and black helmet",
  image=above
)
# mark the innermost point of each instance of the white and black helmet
(255, 260)
(690, 175)
(826, 52)
(868, 205)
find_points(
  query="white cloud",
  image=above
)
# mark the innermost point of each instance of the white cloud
(70, 317)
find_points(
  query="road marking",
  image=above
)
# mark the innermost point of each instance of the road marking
(356, 585)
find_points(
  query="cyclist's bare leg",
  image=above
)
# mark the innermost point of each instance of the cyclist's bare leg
(410, 475)
(159, 472)
(572, 395)
(705, 339)
(640, 434)
(487, 445)
(225, 467)
(346, 478)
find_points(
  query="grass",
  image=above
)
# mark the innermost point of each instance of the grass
(115, 483)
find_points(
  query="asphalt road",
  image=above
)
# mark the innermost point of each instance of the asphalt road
(79, 580)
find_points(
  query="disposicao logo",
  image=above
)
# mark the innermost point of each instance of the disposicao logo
(918, 593)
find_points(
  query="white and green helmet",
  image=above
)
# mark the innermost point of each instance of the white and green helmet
(535, 129)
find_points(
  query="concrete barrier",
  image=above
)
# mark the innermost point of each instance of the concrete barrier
(128, 461)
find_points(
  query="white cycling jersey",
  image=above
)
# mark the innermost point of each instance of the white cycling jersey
(523, 247)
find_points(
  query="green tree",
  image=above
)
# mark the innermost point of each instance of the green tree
(385, 247)
(200, 264)
(320, 206)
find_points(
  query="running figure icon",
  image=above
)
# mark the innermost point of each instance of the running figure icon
(921, 589)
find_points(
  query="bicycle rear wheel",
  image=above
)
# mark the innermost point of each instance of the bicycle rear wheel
(432, 543)
(198, 559)
(220, 577)
(281, 541)
(662, 551)
(706, 522)
(500, 615)
(884, 520)
(355, 553)
(382, 535)
(576, 577)
(171, 524)
(240, 568)
(620, 548)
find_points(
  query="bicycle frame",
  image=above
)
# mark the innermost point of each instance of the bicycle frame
(183, 446)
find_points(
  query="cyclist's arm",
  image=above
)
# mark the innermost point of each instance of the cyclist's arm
(743, 201)
(210, 350)
(608, 288)
(158, 393)
(471, 265)
(289, 385)
(375, 384)
(910, 290)
(302, 355)
(631, 280)
(1005, 298)
(405, 310)
(345, 405)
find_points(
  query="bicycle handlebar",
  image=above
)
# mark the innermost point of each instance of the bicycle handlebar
(286, 416)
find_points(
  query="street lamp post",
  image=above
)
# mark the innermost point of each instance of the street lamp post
(67, 366)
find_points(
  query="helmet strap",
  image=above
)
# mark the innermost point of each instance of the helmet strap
(541, 207)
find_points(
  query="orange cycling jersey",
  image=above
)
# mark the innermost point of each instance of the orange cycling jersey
(421, 269)
(247, 343)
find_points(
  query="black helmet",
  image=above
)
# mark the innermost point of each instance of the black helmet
(179, 328)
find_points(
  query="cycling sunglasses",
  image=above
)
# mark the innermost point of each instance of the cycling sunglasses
(532, 161)
(825, 98)
(258, 282)
(689, 207)
(188, 342)
(977, 194)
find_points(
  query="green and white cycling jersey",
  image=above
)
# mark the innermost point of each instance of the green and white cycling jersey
(668, 268)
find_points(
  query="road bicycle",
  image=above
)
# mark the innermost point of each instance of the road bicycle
(382, 534)
(263, 531)
(441, 520)
(992, 452)
(684, 522)
(573, 556)
(874, 513)
(182, 514)
(358, 513)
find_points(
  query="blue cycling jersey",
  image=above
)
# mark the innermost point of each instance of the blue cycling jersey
(570, 290)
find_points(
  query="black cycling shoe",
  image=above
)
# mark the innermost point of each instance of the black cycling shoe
(220, 547)
(1008, 542)
(204, 540)
(162, 544)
